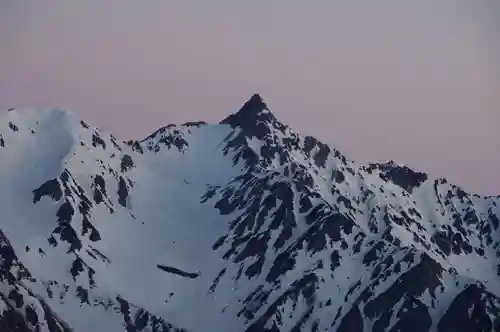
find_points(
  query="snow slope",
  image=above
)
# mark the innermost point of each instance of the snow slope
(243, 225)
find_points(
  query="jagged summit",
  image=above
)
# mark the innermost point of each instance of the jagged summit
(254, 118)
(255, 109)
(255, 100)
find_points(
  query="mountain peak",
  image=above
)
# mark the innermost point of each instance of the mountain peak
(254, 105)
(256, 101)
(254, 110)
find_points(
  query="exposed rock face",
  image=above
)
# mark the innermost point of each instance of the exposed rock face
(240, 226)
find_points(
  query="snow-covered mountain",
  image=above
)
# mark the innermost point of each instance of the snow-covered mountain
(242, 226)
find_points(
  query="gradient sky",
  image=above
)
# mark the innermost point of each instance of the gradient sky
(414, 81)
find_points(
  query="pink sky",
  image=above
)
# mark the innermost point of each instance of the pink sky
(414, 81)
